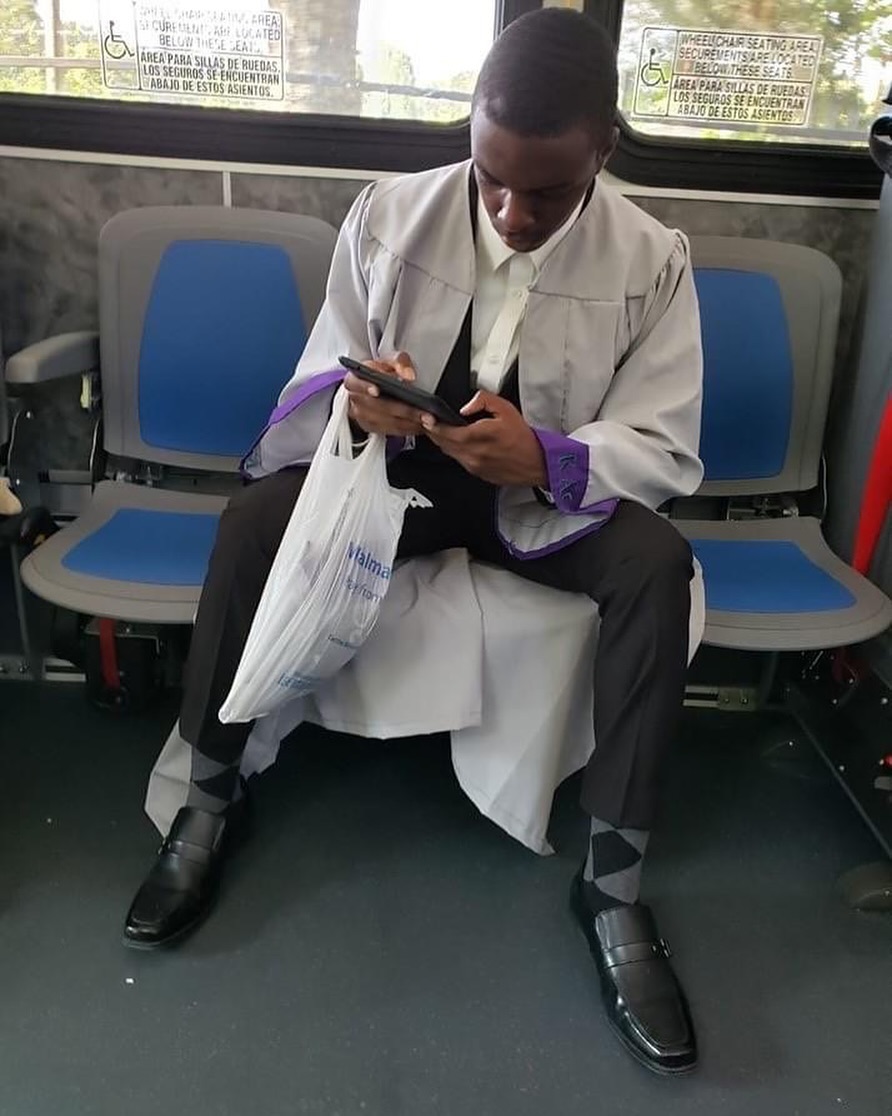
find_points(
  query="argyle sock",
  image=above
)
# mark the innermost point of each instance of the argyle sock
(213, 786)
(612, 872)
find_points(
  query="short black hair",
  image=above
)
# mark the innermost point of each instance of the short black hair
(549, 71)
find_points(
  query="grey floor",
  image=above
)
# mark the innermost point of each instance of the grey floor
(381, 950)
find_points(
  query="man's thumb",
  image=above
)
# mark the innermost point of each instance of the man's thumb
(404, 367)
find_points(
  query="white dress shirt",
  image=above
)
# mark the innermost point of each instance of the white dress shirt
(504, 279)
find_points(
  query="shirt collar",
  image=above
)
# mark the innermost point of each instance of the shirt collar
(493, 251)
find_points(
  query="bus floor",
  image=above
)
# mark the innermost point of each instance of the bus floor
(380, 949)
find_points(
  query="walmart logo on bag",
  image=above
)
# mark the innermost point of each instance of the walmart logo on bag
(368, 562)
(301, 682)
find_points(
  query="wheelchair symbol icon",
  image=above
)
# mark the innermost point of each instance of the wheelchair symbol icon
(114, 45)
(653, 73)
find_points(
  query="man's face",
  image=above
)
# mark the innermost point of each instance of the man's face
(530, 185)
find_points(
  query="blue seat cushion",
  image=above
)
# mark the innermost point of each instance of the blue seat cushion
(223, 331)
(147, 547)
(748, 374)
(766, 576)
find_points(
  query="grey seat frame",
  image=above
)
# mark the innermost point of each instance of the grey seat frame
(811, 289)
(131, 246)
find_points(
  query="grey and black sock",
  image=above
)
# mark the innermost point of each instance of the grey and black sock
(213, 786)
(611, 876)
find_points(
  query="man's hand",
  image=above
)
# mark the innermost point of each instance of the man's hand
(501, 449)
(375, 415)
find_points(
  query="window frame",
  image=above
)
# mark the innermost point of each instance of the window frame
(736, 166)
(40, 121)
(237, 135)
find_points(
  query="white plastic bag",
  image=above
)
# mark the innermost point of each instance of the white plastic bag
(329, 576)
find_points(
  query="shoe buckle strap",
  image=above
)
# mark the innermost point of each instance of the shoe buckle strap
(197, 854)
(637, 951)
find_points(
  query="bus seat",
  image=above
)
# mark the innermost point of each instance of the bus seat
(203, 312)
(769, 315)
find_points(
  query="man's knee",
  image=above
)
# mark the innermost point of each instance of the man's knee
(239, 521)
(671, 550)
(655, 549)
(255, 518)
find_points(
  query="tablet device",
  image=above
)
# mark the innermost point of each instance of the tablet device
(408, 393)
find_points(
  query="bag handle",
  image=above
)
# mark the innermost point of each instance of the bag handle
(338, 438)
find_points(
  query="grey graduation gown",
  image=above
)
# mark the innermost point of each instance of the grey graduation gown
(610, 377)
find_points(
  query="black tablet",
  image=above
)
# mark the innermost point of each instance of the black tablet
(408, 393)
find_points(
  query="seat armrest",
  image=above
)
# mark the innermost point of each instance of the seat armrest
(67, 354)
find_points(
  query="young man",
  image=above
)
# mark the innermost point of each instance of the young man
(518, 286)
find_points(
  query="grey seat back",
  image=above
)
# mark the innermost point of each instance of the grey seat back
(204, 312)
(769, 314)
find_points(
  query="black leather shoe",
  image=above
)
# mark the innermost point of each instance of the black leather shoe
(644, 1001)
(179, 891)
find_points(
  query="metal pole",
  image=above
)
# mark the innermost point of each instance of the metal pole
(52, 40)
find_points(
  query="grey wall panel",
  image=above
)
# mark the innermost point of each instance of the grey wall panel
(51, 213)
(842, 234)
(326, 198)
(50, 217)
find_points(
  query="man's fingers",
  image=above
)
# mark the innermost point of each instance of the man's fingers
(356, 387)
(399, 428)
(383, 416)
(483, 401)
(384, 410)
(451, 439)
(482, 432)
(403, 366)
(364, 395)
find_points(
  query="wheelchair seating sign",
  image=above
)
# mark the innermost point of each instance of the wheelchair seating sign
(738, 77)
(214, 49)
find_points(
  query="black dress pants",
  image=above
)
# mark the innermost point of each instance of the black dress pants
(637, 568)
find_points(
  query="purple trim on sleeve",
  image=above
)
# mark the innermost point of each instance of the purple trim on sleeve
(566, 460)
(320, 382)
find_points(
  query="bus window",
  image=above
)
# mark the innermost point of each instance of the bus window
(745, 70)
(361, 58)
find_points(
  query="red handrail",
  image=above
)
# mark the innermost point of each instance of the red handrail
(877, 495)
